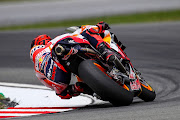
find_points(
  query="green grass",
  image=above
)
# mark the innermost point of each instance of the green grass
(1, 98)
(2, 106)
(160, 16)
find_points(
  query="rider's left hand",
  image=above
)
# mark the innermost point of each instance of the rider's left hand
(103, 26)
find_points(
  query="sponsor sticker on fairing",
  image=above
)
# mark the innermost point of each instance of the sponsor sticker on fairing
(135, 84)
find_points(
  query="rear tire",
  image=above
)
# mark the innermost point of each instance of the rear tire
(102, 85)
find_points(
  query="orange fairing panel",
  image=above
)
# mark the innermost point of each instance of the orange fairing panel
(125, 87)
(107, 38)
(147, 87)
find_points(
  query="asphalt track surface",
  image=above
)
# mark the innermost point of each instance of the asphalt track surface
(50, 10)
(153, 49)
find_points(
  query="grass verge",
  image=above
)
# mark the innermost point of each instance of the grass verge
(2, 98)
(160, 16)
(6, 102)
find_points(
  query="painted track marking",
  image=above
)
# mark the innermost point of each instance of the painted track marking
(42, 100)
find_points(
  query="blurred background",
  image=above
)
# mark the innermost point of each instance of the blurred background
(17, 12)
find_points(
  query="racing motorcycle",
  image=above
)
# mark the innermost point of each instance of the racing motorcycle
(117, 83)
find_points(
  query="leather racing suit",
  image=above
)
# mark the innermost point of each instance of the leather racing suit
(52, 73)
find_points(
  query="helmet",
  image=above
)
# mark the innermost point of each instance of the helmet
(40, 40)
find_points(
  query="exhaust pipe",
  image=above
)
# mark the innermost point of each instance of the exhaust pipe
(59, 50)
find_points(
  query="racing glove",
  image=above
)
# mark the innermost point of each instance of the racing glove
(102, 26)
(69, 92)
(107, 54)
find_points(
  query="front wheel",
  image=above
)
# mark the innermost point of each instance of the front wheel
(102, 85)
(147, 94)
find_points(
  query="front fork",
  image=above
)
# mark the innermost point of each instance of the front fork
(130, 79)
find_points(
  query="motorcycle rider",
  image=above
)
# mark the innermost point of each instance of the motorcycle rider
(52, 73)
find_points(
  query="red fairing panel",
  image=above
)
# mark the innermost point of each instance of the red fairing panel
(62, 37)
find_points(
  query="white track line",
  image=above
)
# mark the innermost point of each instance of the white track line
(29, 111)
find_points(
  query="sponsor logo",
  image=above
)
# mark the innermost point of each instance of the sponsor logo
(135, 85)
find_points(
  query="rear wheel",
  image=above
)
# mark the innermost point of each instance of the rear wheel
(102, 85)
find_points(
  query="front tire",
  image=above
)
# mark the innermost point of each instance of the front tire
(102, 85)
(147, 94)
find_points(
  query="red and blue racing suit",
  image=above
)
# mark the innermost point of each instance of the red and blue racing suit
(51, 73)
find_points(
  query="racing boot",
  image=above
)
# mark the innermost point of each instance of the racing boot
(110, 57)
(107, 55)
